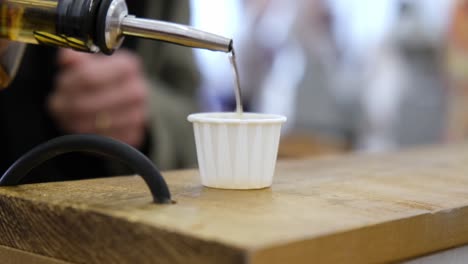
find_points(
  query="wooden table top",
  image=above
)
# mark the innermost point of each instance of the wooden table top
(353, 209)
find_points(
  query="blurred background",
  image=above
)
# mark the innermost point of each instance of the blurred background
(350, 75)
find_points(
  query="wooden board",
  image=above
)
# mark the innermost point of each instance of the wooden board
(14, 256)
(451, 256)
(357, 209)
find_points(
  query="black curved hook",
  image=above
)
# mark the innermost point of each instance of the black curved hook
(94, 144)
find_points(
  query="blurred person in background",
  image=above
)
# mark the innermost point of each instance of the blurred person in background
(457, 74)
(365, 75)
(404, 96)
(350, 75)
(141, 95)
(288, 66)
(216, 84)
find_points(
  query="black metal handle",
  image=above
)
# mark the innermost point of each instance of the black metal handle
(93, 144)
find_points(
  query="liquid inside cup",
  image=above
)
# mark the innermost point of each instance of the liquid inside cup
(237, 151)
(236, 118)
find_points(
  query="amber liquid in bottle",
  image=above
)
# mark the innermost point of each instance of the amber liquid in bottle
(15, 26)
(34, 22)
(22, 20)
(89, 26)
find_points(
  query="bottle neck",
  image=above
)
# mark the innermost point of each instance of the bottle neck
(76, 19)
(91, 24)
(108, 31)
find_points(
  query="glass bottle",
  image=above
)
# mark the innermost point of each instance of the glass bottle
(87, 26)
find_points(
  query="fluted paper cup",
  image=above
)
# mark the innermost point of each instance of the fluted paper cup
(237, 152)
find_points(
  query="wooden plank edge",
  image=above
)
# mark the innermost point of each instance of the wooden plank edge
(391, 241)
(14, 256)
(44, 229)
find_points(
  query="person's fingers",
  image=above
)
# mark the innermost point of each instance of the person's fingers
(128, 127)
(3, 46)
(123, 117)
(134, 137)
(54, 104)
(102, 95)
(108, 119)
(133, 92)
(69, 57)
(96, 73)
(135, 116)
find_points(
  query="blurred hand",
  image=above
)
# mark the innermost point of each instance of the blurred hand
(3, 46)
(100, 94)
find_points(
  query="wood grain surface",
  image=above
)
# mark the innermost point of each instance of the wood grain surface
(14, 256)
(355, 209)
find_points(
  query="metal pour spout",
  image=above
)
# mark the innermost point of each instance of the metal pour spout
(174, 33)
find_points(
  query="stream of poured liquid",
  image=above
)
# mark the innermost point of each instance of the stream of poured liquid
(237, 89)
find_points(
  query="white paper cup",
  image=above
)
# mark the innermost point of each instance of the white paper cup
(237, 152)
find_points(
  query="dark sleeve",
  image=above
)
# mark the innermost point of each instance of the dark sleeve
(174, 79)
